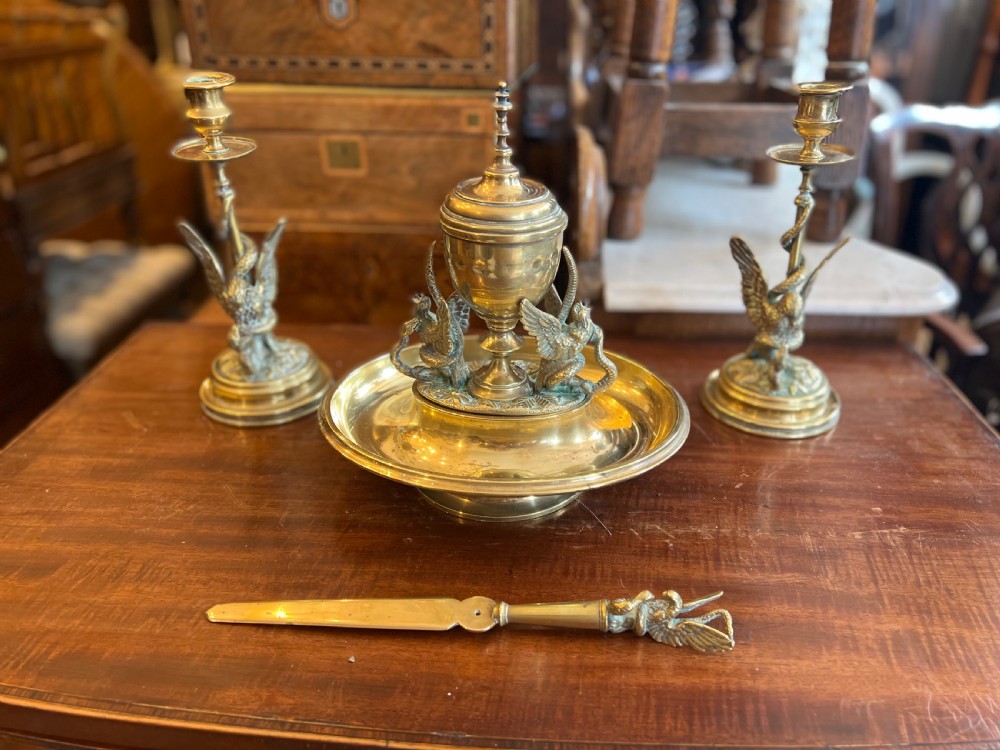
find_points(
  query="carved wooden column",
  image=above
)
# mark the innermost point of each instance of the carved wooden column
(621, 32)
(852, 25)
(777, 59)
(637, 116)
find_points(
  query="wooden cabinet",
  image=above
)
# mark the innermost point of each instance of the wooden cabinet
(355, 159)
(366, 113)
(457, 43)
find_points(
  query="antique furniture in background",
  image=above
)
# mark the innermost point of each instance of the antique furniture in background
(31, 374)
(936, 172)
(860, 569)
(872, 291)
(65, 159)
(367, 113)
(852, 26)
(984, 80)
(938, 51)
(623, 107)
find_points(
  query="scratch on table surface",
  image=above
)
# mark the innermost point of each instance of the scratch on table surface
(773, 470)
(133, 421)
(866, 707)
(966, 719)
(232, 495)
(584, 505)
(889, 536)
(703, 431)
(662, 530)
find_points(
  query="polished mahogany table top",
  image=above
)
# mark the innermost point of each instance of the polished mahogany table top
(862, 570)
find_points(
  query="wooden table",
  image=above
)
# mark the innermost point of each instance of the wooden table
(862, 570)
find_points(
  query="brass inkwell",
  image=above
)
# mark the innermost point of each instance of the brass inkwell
(767, 390)
(260, 379)
(500, 428)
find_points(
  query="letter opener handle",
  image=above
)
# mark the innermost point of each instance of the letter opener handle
(643, 614)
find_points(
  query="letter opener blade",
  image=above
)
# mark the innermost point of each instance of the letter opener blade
(661, 618)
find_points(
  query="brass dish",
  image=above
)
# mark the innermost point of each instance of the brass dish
(507, 468)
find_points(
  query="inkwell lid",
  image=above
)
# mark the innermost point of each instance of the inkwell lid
(501, 206)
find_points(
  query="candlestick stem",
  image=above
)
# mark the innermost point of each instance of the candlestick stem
(804, 204)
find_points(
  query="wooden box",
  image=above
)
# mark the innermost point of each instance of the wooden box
(454, 43)
(353, 159)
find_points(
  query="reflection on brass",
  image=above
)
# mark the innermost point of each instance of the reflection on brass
(491, 468)
(661, 619)
(767, 390)
(261, 379)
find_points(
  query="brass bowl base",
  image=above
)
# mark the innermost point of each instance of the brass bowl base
(489, 508)
(500, 467)
(228, 398)
(739, 395)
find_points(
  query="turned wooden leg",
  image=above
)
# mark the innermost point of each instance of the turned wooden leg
(852, 24)
(637, 117)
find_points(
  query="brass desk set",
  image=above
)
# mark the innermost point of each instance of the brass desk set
(260, 379)
(767, 390)
(496, 429)
(489, 429)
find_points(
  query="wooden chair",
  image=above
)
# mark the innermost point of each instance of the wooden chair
(31, 376)
(66, 160)
(936, 171)
(638, 117)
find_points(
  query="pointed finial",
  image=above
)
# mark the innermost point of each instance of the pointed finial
(503, 152)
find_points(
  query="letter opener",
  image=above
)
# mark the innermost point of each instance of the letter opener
(662, 619)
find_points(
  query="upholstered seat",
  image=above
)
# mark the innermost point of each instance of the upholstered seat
(68, 160)
(96, 293)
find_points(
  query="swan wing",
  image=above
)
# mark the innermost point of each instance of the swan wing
(549, 333)
(754, 285)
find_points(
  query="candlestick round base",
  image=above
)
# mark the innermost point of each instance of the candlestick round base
(741, 395)
(232, 398)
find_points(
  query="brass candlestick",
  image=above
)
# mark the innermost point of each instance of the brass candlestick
(767, 390)
(261, 379)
